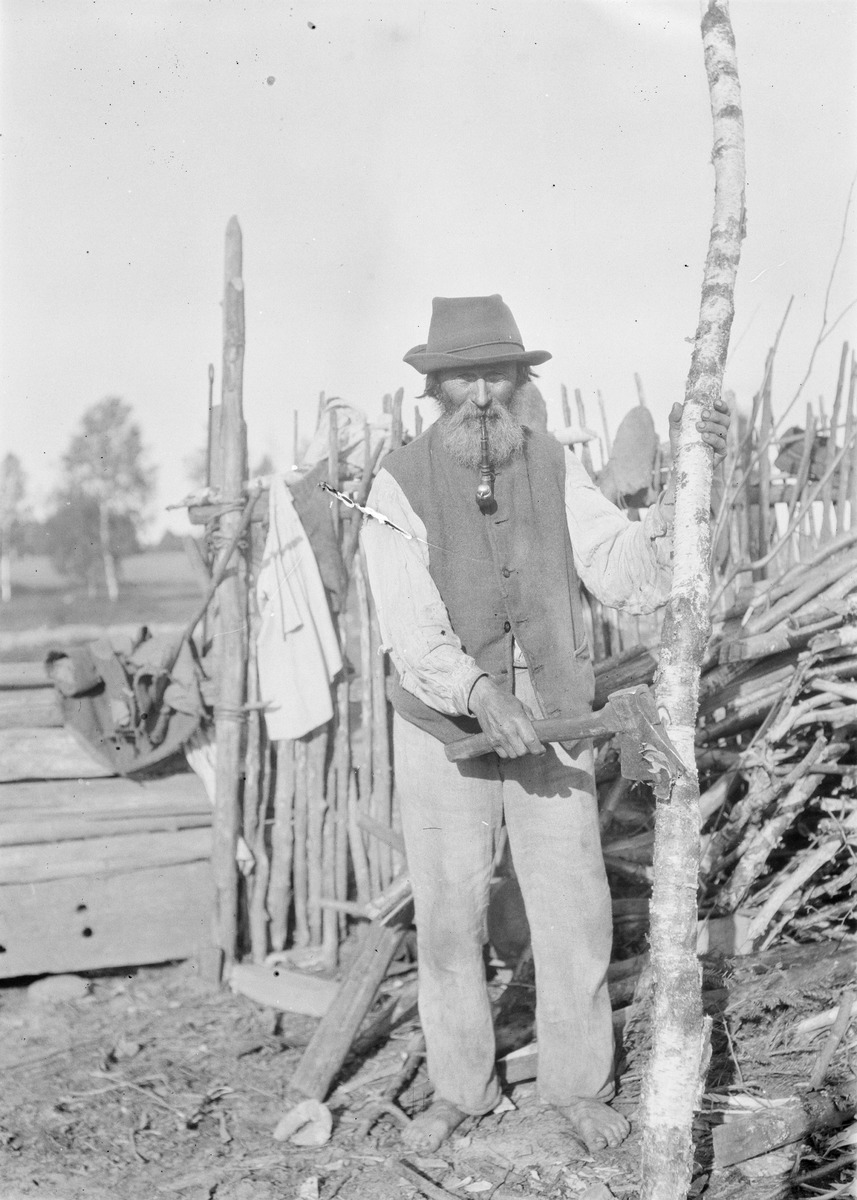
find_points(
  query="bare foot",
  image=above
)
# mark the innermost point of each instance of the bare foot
(595, 1123)
(431, 1128)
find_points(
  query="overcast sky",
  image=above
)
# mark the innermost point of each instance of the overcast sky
(377, 154)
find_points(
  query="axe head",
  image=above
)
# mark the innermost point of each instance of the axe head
(645, 751)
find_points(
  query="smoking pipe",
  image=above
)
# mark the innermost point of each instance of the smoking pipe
(485, 490)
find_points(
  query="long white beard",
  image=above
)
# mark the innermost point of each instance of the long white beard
(461, 433)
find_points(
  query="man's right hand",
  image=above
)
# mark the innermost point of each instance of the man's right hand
(504, 720)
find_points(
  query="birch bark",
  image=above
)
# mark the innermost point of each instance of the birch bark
(675, 1073)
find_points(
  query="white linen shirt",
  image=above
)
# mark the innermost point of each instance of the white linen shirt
(624, 564)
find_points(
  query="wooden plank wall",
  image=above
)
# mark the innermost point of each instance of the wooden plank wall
(95, 870)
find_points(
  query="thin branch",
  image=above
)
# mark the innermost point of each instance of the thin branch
(825, 331)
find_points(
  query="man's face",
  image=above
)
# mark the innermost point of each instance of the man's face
(465, 395)
(480, 387)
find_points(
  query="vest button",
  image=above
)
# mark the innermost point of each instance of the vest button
(507, 625)
(505, 572)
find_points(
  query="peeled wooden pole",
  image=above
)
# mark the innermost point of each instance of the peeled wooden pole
(674, 1076)
(316, 805)
(258, 912)
(257, 791)
(231, 640)
(343, 777)
(381, 804)
(299, 846)
(368, 736)
(251, 816)
(842, 522)
(282, 844)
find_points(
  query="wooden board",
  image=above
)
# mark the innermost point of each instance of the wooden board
(36, 708)
(66, 829)
(34, 864)
(24, 675)
(176, 794)
(126, 919)
(46, 754)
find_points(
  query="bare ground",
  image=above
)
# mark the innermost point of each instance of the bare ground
(157, 1084)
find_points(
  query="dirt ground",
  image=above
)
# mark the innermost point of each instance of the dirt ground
(157, 1084)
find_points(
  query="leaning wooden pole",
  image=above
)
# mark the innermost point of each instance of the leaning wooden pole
(231, 663)
(675, 1073)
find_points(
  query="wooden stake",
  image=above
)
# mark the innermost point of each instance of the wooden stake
(566, 407)
(608, 445)
(329, 916)
(316, 809)
(805, 459)
(333, 463)
(282, 843)
(766, 426)
(253, 799)
(343, 779)
(641, 395)
(845, 465)
(382, 782)
(827, 519)
(396, 430)
(585, 452)
(259, 923)
(357, 846)
(231, 660)
(366, 720)
(299, 851)
(852, 457)
(599, 647)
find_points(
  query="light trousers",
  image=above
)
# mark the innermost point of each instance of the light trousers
(451, 817)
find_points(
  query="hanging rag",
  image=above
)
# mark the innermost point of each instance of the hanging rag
(298, 647)
(313, 509)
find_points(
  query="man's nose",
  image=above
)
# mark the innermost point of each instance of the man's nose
(481, 397)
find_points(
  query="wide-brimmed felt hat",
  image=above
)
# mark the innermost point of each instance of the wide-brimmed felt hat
(468, 330)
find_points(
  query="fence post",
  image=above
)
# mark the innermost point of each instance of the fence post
(231, 656)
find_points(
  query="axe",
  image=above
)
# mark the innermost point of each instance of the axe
(645, 750)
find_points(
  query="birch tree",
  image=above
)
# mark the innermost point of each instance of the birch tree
(12, 491)
(675, 1074)
(105, 464)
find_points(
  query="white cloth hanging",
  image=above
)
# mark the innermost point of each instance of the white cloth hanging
(298, 647)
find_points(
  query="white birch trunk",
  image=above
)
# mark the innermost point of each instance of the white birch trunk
(675, 1073)
(5, 562)
(106, 553)
(5, 575)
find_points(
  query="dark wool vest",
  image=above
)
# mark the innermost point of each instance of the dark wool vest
(501, 575)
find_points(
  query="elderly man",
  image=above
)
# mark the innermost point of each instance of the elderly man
(480, 608)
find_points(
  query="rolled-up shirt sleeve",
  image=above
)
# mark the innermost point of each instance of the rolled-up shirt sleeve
(624, 564)
(415, 625)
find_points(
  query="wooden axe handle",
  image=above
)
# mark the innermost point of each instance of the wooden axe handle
(554, 729)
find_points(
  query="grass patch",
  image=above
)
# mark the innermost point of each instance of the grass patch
(156, 587)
